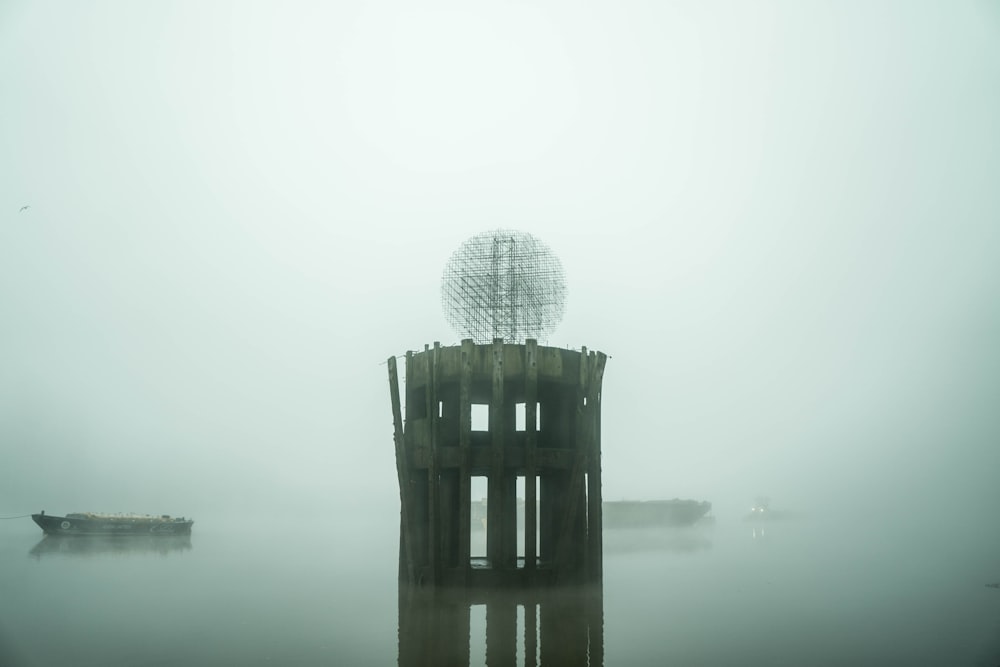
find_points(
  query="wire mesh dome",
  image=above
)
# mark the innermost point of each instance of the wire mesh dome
(503, 284)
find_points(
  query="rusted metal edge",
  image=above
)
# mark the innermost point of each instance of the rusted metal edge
(531, 444)
(575, 487)
(433, 511)
(464, 442)
(495, 505)
(402, 469)
(595, 538)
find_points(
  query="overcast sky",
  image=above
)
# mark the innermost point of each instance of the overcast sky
(780, 219)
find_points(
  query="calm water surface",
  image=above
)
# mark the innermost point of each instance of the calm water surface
(275, 592)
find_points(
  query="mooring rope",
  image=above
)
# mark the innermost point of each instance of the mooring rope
(19, 516)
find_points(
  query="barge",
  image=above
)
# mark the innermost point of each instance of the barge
(90, 523)
(654, 513)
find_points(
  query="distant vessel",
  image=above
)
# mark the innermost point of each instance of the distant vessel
(653, 513)
(89, 523)
(761, 511)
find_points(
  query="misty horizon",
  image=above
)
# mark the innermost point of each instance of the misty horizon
(780, 222)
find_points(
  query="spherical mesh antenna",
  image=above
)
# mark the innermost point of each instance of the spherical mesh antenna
(503, 284)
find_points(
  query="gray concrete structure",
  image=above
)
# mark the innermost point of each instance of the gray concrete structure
(543, 426)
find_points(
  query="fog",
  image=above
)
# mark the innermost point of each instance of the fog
(780, 220)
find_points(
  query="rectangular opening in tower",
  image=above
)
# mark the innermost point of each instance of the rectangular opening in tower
(480, 417)
(478, 503)
(521, 417)
(523, 510)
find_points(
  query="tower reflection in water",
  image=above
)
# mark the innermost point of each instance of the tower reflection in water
(533, 628)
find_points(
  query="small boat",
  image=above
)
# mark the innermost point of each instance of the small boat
(761, 511)
(89, 523)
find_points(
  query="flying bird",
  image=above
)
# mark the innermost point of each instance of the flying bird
(24, 208)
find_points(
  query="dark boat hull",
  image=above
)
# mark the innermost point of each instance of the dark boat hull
(71, 525)
(653, 513)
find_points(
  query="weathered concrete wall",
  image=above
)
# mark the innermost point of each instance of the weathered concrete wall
(438, 452)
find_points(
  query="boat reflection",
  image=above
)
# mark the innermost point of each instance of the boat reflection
(103, 545)
(552, 626)
(671, 540)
